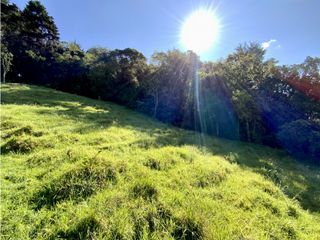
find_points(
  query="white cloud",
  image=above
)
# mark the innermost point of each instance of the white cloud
(267, 44)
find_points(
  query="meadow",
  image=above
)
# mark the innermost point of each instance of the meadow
(77, 168)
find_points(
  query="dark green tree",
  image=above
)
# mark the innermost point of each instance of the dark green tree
(169, 85)
(39, 31)
(245, 70)
(38, 43)
(69, 69)
(116, 75)
(217, 107)
(11, 25)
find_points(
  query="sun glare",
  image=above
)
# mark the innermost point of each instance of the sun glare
(200, 31)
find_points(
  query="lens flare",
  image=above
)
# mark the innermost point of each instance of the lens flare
(200, 31)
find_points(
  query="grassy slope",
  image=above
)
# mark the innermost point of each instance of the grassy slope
(73, 167)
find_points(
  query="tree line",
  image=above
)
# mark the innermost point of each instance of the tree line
(243, 97)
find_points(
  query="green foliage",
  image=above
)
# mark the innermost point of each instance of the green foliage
(39, 28)
(112, 173)
(168, 87)
(6, 61)
(69, 70)
(302, 139)
(246, 69)
(31, 36)
(115, 75)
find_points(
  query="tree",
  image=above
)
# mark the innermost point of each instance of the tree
(301, 138)
(169, 86)
(96, 55)
(245, 68)
(245, 71)
(38, 44)
(69, 69)
(32, 37)
(151, 87)
(6, 61)
(39, 30)
(218, 113)
(289, 95)
(116, 75)
(11, 23)
(304, 77)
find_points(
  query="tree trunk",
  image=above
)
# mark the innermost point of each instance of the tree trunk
(217, 129)
(248, 131)
(238, 129)
(254, 130)
(4, 77)
(156, 105)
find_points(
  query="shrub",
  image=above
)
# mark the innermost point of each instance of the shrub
(301, 139)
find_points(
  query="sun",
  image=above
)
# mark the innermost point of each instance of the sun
(200, 31)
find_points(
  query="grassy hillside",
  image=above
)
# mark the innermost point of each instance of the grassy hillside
(76, 168)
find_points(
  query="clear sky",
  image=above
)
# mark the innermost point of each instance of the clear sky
(289, 28)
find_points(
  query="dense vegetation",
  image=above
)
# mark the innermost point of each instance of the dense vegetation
(77, 168)
(242, 97)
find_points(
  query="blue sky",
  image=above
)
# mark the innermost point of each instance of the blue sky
(289, 28)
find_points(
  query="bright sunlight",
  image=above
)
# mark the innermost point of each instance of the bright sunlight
(200, 31)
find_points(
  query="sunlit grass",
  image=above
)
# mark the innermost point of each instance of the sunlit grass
(77, 168)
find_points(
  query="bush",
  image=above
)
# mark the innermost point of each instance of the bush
(301, 139)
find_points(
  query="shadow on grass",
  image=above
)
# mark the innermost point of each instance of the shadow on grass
(95, 114)
(296, 180)
(85, 229)
(77, 184)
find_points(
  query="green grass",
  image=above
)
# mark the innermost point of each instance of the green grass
(77, 168)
